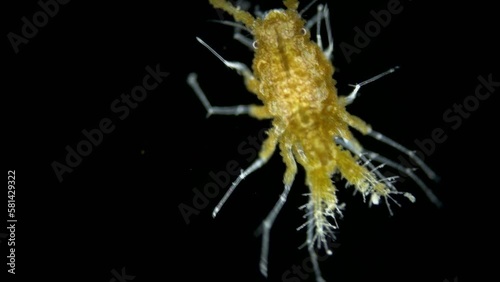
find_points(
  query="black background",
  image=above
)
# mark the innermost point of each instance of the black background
(120, 207)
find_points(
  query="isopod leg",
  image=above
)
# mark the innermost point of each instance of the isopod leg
(384, 139)
(267, 224)
(267, 150)
(231, 110)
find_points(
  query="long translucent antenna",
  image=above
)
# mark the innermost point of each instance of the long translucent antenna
(244, 173)
(384, 139)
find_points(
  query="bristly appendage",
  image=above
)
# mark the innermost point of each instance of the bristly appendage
(293, 78)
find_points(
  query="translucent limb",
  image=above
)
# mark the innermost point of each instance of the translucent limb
(307, 7)
(231, 110)
(244, 173)
(251, 82)
(241, 68)
(408, 171)
(244, 40)
(231, 23)
(267, 224)
(384, 139)
(266, 152)
(256, 111)
(322, 14)
(374, 182)
(237, 35)
(329, 50)
(350, 98)
(388, 181)
(360, 125)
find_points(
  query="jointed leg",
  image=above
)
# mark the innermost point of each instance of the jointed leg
(364, 128)
(381, 159)
(266, 152)
(256, 111)
(326, 16)
(408, 171)
(267, 224)
(251, 83)
(384, 139)
(322, 14)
